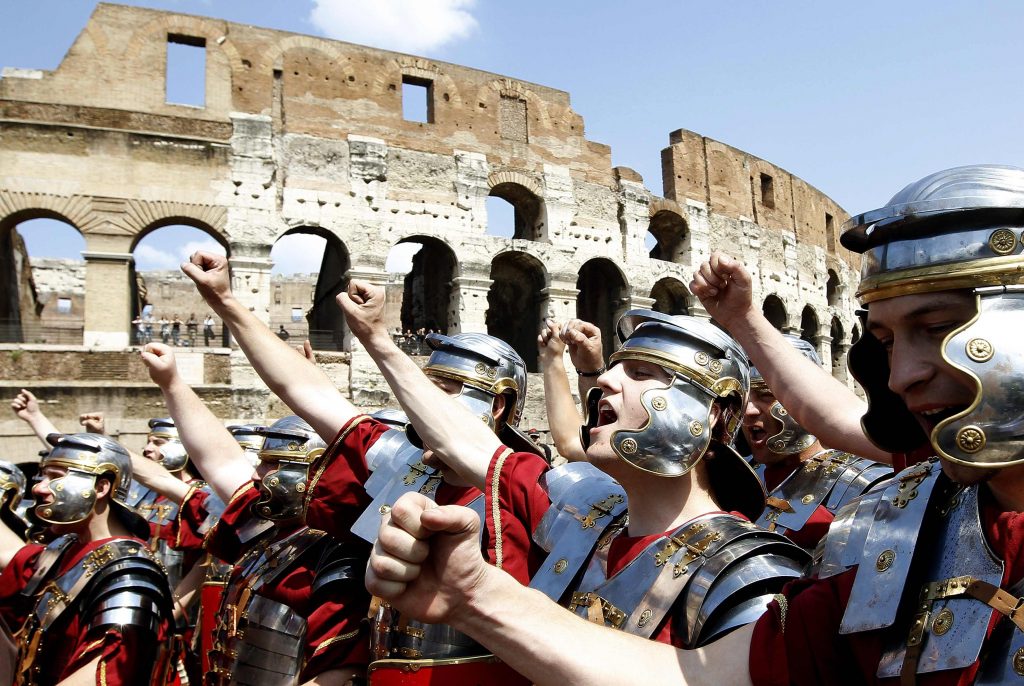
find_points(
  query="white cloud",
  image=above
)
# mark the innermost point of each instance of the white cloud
(148, 259)
(185, 251)
(298, 253)
(416, 26)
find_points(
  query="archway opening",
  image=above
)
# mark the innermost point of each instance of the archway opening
(310, 268)
(514, 303)
(832, 289)
(775, 312)
(527, 220)
(42, 279)
(165, 305)
(421, 270)
(603, 297)
(665, 236)
(809, 326)
(671, 297)
(838, 350)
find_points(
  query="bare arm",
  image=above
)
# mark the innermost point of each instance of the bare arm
(335, 677)
(563, 417)
(462, 441)
(822, 405)
(155, 476)
(186, 590)
(210, 446)
(26, 407)
(427, 563)
(293, 378)
(84, 675)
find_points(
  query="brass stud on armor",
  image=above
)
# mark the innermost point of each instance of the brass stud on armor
(480, 369)
(979, 350)
(47, 512)
(943, 622)
(293, 446)
(561, 566)
(696, 428)
(701, 358)
(645, 618)
(715, 367)
(659, 403)
(807, 499)
(273, 482)
(970, 439)
(628, 446)
(885, 560)
(300, 487)
(1002, 241)
(1018, 662)
(384, 509)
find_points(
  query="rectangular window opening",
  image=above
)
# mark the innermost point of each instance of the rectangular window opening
(417, 99)
(64, 305)
(767, 191)
(296, 314)
(186, 70)
(830, 233)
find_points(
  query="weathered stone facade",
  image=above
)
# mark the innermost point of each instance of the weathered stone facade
(303, 134)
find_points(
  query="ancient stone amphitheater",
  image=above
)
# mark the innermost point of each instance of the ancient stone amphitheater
(298, 134)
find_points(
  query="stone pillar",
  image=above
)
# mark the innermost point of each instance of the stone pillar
(250, 282)
(559, 302)
(823, 344)
(637, 302)
(108, 299)
(469, 301)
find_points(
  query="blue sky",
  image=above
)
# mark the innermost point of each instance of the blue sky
(858, 99)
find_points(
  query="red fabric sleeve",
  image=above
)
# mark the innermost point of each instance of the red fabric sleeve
(336, 495)
(191, 517)
(813, 530)
(223, 540)
(515, 503)
(15, 609)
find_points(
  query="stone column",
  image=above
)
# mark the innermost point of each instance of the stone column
(250, 282)
(469, 300)
(108, 299)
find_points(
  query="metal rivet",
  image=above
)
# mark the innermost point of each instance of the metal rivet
(807, 499)
(783, 412)
(273, 482)
(561, 566)
(715, 367)
(970, 439)
(696, 428)
(701, 358)
(628, 446)
(86, 494)
(980, 350)
(47, 512)
(293, 446)
(885, 560)
(384, 509)
(943, 622)
(300, 487)
(1018, 662)
(777, 446)
(1002, 241)
(480, 369)
(659, 403)
(645, 618)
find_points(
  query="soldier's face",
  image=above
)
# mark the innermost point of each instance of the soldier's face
(759, 425)
(152, 449)
(913, 329)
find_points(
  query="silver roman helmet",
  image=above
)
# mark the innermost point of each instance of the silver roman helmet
(12, 485)
(86, 457)
(173, 456)
(486, 367)
(958, 229)
(789, 438)
(708, 369)
(290, 444)
(249, 438)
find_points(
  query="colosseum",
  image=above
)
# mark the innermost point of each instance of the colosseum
(298, 134)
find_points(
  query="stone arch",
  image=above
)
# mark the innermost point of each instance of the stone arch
(810, 329)
(775, 312)
(526, 197)
(427, 288)
(326, 327)
(838, 349)
(22, 306)
(669, 231)
(74, 209)
(670, 296)
(603, 297)
(137, 218)
(514, 302)
(832, 287)
(275, 55)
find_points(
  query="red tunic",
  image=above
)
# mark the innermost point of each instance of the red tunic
(335, 631)
(336, 496)
(811, 650)
(191, 516)
(69, 644)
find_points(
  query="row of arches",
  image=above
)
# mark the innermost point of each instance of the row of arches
(811, 330)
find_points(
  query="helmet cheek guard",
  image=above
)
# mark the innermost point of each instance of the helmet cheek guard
(74, 497)
(282, 491)
(990, 432)
(791, 438)
(173, 456)
(676, 435)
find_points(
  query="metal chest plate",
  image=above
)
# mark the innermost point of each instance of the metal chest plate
(953, 628)
(408, 477)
